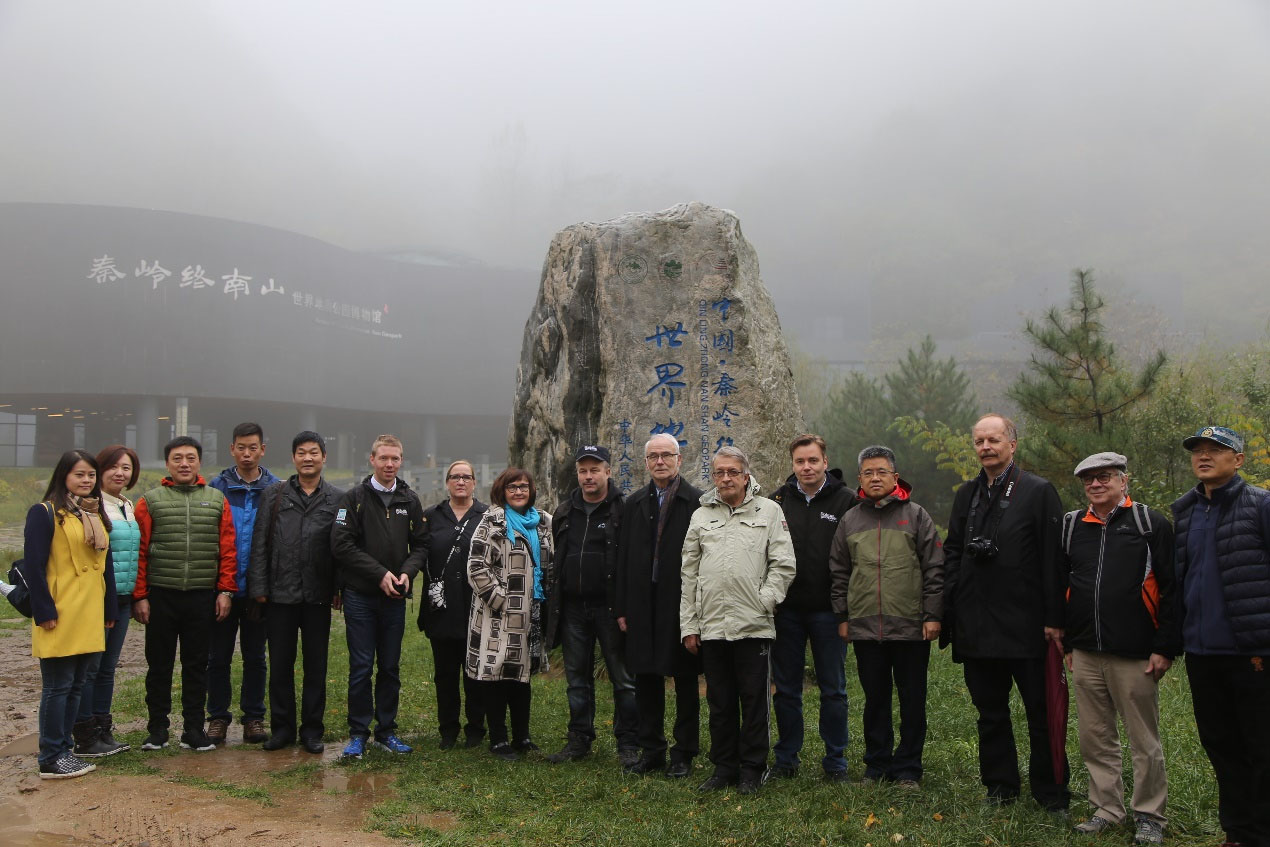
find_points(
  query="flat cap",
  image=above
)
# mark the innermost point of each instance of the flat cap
(1098, 461)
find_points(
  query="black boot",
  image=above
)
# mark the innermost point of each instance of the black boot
(105, 731)
(87, 743)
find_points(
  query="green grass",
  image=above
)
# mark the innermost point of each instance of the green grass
(591, 803)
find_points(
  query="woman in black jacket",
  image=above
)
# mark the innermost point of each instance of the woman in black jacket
(444, 617)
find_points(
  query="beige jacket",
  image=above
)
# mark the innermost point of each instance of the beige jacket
(737, 565)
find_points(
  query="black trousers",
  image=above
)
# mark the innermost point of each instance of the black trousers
(989, 681)
(878, 663)
(503, 696)
(310, 625)
(650, 700)
(1231, 697)
(448, 656)
(185, 617)
(738, 688)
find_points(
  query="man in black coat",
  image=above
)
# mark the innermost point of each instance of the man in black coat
(650, 541)
(293, 571)
(1004, 586)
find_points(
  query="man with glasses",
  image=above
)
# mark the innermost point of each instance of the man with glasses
(650, 540)
(888, 583)
(584, 530)
(1122, 632)
(814, 499)
(1223, 564)
(1004, 589)
(738, 561)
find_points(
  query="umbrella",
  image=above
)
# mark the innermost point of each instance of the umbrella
(1056, 706)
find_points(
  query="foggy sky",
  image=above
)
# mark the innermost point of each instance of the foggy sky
(895, 164)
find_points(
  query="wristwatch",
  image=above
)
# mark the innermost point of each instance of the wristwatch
(227, 594)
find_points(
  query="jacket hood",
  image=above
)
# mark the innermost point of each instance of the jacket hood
(711, 497)
(902, 492)
(167, 480)
(230, 477)
(833, 481)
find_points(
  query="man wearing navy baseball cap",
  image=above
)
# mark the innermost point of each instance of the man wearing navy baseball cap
(1223, 564)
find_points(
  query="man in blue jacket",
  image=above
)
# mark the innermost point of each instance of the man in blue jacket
(1222, 549)
(243, 485)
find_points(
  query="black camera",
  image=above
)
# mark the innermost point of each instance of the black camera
(982, 548)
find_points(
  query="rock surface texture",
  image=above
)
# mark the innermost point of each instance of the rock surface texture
(652, 322)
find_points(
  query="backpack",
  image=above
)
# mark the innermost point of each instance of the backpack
(1142, 520)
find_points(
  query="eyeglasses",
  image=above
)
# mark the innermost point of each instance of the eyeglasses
(727, 473)
(1209, 449)
(460, 477)
(517, 486)
(1102, 478)
(659, 457)
(875, 474)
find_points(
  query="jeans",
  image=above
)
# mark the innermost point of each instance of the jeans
(448, 658)
(63, 678)
(738, 682)
(373, 626)
(185, 617)
(311, 623)
(879, 663)
(252, 636)
(794, 628)
(99, 687)
(585, 621)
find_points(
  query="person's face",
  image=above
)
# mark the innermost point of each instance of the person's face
(247, 454)
(1215, 464)
(82, 479)
(662, 460)
(1105, 488)
(517, 494)
(384, 463)
(730, 479)
(993, 446)
(593, 479)
(308, 460)
(877, 478)
(810, 465)
(116, 477)
(460, 482)
(184, 465)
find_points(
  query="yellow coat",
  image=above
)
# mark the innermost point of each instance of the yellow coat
(76, 576)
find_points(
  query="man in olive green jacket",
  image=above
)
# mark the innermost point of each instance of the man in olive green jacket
(738, 561)
(886, 567)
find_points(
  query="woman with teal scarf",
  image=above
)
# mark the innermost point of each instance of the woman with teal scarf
(508, 567)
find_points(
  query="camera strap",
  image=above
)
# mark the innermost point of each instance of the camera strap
(994, 515)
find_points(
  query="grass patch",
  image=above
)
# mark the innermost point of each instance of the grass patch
(466, 797)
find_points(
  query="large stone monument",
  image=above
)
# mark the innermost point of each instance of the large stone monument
(649, 323)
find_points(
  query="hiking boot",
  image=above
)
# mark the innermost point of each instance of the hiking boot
(1093, 826)
(749, 785)
(1148, 831)
(575, 748)
(835, 776)
(105, 730)
(254, 731)
(156, 740)
(88, 743)
(217, 728)
(66, 766)
(628, 756)
(196, 740)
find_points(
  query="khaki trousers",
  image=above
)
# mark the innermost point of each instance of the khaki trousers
(1107, 686)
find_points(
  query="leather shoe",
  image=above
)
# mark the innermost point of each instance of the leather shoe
(783, 772)
(277, 742)
(749, 785)
(447, 742)
(679, 769)
(645, 765)
(714, 783)
(313, 745)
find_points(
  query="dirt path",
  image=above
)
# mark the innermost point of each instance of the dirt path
(164, 810)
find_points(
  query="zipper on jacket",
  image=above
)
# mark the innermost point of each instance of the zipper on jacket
(189, 531)
(586, 528)
(879, 566)
(1102, 547)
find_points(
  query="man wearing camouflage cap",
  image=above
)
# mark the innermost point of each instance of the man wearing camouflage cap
(1121, 633)
(1223, 567)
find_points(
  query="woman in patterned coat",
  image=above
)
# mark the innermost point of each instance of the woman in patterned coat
(509, 568)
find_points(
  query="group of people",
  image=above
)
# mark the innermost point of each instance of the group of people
(674, 582)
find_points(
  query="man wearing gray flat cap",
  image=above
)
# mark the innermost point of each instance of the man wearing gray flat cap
(1121, 633)
(1223, 565)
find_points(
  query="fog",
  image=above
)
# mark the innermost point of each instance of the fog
(899, 166)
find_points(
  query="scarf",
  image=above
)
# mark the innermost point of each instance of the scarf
(662, 511)
(86, 508)
(526, 525)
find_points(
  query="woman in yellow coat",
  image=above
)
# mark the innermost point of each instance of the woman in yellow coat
(72, 600)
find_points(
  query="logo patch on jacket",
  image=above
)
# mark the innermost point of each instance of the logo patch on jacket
(825, 516)
(340, 515)
(402, 512)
